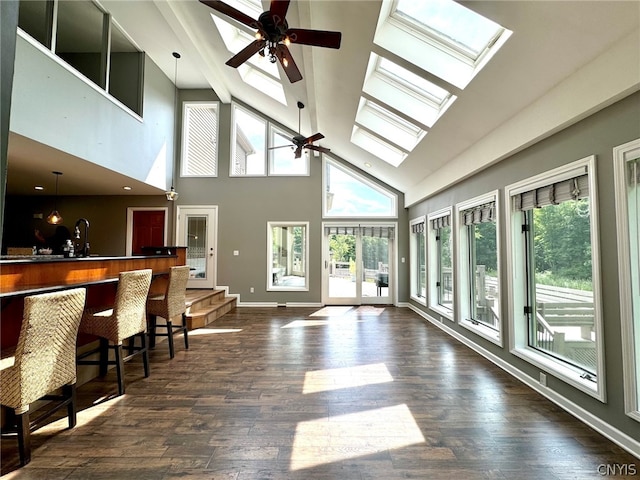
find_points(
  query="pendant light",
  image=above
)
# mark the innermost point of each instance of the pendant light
(172, 195)
(54, 217)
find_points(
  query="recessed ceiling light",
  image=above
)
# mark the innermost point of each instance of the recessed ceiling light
(38, 187)
(367, 164)
(126, 187)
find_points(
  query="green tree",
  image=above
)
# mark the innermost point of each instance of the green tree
(562, 240)
(342, 247)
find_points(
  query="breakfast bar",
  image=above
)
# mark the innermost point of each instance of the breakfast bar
(30, 275)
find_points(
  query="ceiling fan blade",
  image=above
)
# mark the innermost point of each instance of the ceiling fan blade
(314, 138)
(317, 149)
(278, 10)
(317, 38)
(246, 53)
(230, 11)
(289, 66)
(280, 146)
(298, 152)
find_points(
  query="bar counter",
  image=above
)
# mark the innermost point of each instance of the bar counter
(20, 277)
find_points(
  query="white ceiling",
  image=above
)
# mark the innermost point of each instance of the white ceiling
(553, 42)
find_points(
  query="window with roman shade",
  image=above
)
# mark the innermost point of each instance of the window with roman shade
(440, 263)
(418, 260)
(478, 266)
(555, 306)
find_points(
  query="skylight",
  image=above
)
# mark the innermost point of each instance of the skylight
(444, 45)
(377, 146)
(387, 124)
(416, 97)
(442, 37)
(449, 23)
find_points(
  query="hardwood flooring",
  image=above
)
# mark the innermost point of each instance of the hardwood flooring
(297, 393)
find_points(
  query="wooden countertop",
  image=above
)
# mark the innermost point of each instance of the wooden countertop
(19, 277)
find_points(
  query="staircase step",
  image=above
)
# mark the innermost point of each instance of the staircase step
(206, 307)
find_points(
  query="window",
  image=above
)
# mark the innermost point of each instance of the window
(348, 194)
(87, 39)
(418, 265)
(252, 147)
(478, 266)
(248, 149)
(556, 302)
(287, 256)
(627, 187)
(199, 139)
(282, 159)
(440, 261)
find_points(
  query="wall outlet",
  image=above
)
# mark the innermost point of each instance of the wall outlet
(251, 290)
(543, 379)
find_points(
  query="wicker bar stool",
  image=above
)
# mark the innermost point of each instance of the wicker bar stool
(169, 306)
(43, 362)
(124, 320)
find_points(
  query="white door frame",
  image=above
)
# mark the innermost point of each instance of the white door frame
(359, 299)
(211, 212)
(130, 210)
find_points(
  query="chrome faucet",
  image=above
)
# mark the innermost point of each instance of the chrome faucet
(84, 251)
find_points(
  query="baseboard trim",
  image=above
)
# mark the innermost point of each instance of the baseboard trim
(621, 439)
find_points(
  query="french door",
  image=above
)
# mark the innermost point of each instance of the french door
(358, 262)
(197, 229)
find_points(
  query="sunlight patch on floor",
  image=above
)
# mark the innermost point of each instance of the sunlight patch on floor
(333, 311)
(368, 310)
(211, 331)
(333, 439)
(317, 323)
(83, 417)
(348, 377)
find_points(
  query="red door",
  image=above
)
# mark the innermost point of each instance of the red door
(148, 230)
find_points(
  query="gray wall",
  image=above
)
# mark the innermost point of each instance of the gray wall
(81, 121)
(245, 205)
(8, 25)
(597, 134)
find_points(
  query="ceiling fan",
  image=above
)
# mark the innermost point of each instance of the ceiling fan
(274, 35)
(300, 142)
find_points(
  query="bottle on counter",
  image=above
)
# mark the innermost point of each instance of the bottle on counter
(68, 250)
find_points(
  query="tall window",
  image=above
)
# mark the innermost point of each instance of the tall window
(199, 139)
(417, 254)
(627, 178)
(479, 272)
(249, 146)
(288, 256)
(440, 263)
(88, 39)
(556, 272)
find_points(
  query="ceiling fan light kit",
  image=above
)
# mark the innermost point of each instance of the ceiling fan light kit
(273, 36)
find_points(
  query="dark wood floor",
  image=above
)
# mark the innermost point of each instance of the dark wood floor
(281, 393)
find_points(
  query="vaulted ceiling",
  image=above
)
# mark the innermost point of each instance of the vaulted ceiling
(554, 69)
